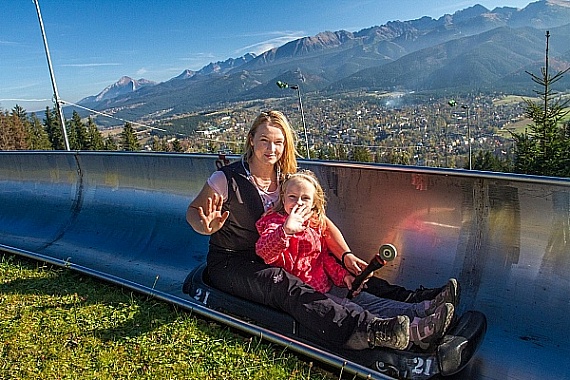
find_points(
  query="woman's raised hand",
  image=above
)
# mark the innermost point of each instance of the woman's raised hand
(212, 218)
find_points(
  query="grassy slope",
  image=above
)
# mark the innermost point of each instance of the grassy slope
(58, 324)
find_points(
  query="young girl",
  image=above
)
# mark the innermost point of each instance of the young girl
(292, 237)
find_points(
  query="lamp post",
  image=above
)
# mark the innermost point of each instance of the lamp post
(453, 103)
(468, 134)
(281, 84)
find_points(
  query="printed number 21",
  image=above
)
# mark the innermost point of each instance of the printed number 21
(422, 367)
(201, 295)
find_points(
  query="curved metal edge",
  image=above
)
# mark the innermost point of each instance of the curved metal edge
(536, 179)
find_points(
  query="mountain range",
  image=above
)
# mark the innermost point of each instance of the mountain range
(472, 50)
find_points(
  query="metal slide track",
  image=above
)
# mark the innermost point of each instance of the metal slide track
(121, 217)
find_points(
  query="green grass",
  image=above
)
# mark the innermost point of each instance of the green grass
(59, 324)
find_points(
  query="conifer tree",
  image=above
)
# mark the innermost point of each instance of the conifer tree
(20, 112)
(154, 144)
(342, 153)
(20, 124)
(361, 154)
(487, 161)
(78, 139)
(164, 147)
(543, 148)
(12, 132)
(38, 138)
(110, 144)
(129, 141)
(94, 138)
(53, 129)
(176, 146)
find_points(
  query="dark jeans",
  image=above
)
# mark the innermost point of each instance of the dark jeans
(243, 275)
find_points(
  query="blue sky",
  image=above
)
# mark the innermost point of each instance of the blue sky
(95, 42)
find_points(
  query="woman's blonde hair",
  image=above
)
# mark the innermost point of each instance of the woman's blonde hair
(288, 161)
(319, 202)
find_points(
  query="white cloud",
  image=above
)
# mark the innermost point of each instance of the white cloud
(90, 64)
(2, 42)
(280, 39)
(198, 57)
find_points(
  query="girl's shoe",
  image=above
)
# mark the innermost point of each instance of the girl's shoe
(426, 331)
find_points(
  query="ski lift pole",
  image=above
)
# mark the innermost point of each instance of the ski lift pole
(52, 76)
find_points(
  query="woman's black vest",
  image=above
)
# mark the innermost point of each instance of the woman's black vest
(245, 207)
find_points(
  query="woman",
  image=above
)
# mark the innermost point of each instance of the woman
(227, 208)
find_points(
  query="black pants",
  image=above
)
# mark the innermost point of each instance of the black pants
(243, 275)
(382, 288)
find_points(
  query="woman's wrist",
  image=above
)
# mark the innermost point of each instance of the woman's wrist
(342, 258)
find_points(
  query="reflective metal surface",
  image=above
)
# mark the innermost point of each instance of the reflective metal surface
(505, 237)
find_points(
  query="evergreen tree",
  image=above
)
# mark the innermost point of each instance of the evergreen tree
(20, 112)
(342, 152)
(176, 146)
(78, 139)
(110, 144)
(21, 125)
(399, 157)
(361, 154)
(542, 149)
(94, 138)
(38, 138)
(53, 129)
(487, 161)
(155, 144)
(12, 132)
(129, 141)
(164, 147)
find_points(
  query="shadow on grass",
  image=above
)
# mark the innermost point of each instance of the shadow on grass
(108, 311)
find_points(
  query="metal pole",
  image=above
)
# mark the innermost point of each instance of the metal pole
(469, 138)
(303, 118)
(466, 107)
(55, 93)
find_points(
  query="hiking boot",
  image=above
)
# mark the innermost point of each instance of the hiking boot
(426, 331)
(448, 294)
(389, 332)
(449, 291)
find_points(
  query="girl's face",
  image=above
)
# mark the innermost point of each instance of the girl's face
(298, 192)
(268, 144)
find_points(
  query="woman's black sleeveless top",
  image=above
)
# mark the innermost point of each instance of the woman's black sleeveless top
(245, 207)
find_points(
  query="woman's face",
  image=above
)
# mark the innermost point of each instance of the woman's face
(268, 144)
(299, 192)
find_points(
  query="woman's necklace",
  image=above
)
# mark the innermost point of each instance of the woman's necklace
(264, 193)
(262, 185)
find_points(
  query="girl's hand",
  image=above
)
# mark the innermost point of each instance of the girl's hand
(295, 222)
(354, 264)
(212, 218)
(348, 280)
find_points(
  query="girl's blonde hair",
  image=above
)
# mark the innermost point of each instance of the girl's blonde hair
(319, 202)
(288, 161)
